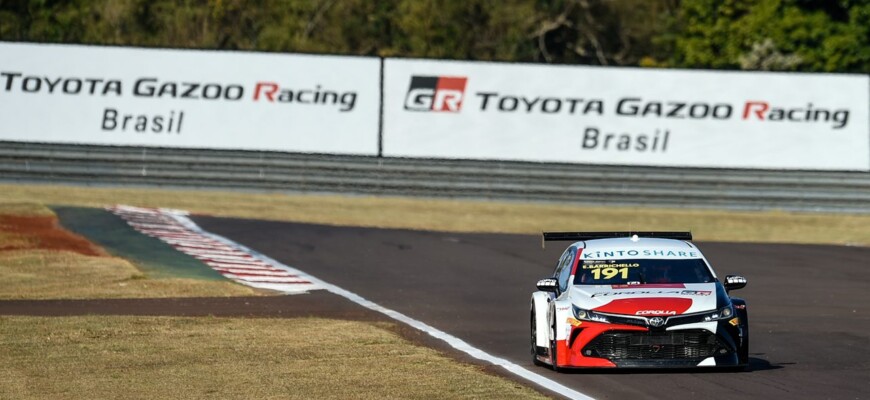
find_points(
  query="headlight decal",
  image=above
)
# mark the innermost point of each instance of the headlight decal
(723, 313)
(588, 315)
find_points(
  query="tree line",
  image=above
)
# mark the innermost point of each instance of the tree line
(779, 35)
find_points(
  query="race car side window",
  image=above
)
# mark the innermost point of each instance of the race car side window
(559, 264)
(557, 274)
(565, 269)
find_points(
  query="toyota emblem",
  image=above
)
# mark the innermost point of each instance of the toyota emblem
(656, 321)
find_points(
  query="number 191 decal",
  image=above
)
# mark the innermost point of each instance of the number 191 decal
(610, 273)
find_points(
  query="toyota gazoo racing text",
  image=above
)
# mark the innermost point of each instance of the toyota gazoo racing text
(637, 300)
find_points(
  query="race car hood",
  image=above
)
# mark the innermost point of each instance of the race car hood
(647, 299)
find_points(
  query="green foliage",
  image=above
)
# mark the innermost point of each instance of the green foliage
(584, 31)
(805, 35)
(473, 29)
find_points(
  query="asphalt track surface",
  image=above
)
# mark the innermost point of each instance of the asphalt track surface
(809, 306)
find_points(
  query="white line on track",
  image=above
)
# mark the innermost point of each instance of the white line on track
(453, 341)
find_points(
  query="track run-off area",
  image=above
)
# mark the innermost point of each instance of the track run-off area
(467, 295)
(808, 304)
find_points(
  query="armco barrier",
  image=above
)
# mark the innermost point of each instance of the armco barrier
(289, 172)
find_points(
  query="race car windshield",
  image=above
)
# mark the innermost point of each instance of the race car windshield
(608, 272)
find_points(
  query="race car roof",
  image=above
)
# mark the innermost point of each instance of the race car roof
(623, 248)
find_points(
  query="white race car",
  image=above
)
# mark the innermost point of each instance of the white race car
(636, 299)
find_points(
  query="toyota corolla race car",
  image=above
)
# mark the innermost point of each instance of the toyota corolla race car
(637, 299)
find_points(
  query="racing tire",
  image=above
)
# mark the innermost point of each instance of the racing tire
(743, 350)
(743, 355)
(534, 332)
(553, 350)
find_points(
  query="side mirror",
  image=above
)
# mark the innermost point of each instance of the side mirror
(548, 285)
(734, 282)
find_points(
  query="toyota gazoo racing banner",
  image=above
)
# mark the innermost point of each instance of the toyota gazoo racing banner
(189, 98)
(625, 116)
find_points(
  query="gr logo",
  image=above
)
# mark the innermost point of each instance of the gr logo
(435, 93)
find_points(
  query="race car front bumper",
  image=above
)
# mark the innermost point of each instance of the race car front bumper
(594, 344)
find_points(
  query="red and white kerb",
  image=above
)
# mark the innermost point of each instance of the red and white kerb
(230, 260)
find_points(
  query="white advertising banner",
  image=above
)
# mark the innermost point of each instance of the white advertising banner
(189, 98)
(628, 116)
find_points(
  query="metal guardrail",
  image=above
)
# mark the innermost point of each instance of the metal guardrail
(506, 180)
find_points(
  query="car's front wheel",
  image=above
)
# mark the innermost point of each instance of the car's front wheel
(534, 335)
(744, 348)
(553, 351)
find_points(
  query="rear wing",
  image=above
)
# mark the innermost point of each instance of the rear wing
(578, 236)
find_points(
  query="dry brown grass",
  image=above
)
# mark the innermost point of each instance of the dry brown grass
(46, 274)
(28, 209)
(170, 357)
(187, 358)
(469, 216)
